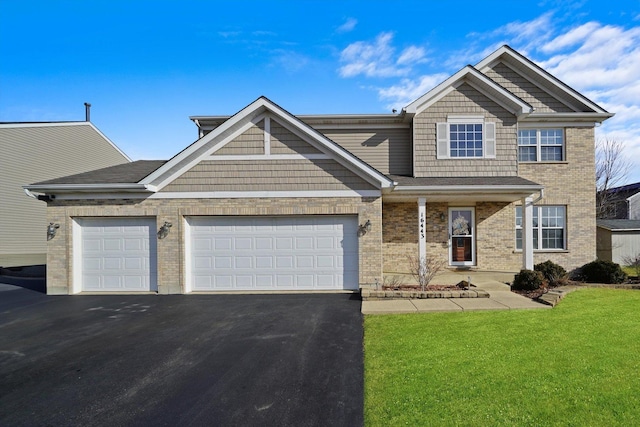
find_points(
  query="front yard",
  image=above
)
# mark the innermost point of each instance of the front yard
(578, 364)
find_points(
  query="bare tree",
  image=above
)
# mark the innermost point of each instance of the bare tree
(612, 168)
(424, 269)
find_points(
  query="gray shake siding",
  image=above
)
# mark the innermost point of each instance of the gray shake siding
(285, 142)
(388, 150)
(542, 101)
(465, 100)
(249, 143)
(268, 175)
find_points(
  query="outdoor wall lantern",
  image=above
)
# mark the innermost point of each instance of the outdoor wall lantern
(164, 230)
(364, 228)
(442, 216)
(51, 230)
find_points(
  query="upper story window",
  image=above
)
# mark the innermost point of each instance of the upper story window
(540, 145)
(466, 137)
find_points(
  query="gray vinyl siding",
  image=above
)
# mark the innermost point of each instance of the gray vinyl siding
(465, 100)
(268, 175)
(542, 101)
(285, 142)
(34, 154)
(634, 207)
(387, 150)
(250, 142)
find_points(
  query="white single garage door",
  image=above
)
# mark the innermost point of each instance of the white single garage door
(118, 254)
(272, 253)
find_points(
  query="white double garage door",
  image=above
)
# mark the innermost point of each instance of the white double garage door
(223, 253)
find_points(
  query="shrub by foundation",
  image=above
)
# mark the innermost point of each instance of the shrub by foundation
(527, 280)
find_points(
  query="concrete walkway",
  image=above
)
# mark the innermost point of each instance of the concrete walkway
(500, 296)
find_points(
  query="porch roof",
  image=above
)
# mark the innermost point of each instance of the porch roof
(462, 189)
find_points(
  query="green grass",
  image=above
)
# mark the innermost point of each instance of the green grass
(631, 271)
(575, 365)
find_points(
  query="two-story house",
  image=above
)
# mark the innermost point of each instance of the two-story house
(493, 169)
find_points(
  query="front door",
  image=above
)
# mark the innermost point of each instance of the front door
(462, 245)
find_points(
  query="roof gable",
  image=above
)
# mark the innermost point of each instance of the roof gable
(250, 117)
(478, 81)
(542, 79)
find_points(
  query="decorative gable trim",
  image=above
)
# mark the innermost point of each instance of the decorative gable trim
(555, 87)
(260, 109)
(478, 81)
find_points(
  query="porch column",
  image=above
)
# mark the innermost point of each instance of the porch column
(422, 227)
(527, 233)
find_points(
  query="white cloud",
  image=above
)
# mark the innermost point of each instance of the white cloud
(289, 60)
(376, 59)
(411, 55)
(347, 26)
(571, 38)
(409, 90)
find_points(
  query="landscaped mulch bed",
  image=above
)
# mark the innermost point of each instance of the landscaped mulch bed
(404, 291)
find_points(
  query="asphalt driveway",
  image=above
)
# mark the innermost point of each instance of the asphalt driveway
(180, 360)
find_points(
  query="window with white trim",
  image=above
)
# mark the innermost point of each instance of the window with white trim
(549, 228)
(466, 137)
(544, 145)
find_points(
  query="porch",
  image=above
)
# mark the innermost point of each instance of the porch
(465, 222)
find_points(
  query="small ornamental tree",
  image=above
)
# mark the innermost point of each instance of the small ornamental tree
(424, 269)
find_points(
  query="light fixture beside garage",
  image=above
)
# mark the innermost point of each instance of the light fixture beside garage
(164, 230)
(364, 228)
(51, 230)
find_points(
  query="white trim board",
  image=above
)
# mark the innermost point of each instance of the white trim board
(224, 195)
(236, 157)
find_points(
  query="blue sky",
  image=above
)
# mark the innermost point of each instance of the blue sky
(146, 66)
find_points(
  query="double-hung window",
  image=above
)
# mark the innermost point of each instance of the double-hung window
(549, 227)
(466, 137)
(540, 145)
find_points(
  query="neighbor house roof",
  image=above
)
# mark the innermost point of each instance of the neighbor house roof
(619, 224)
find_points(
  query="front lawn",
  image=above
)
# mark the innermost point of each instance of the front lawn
(575, 365)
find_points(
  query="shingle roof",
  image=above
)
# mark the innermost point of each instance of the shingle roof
(120, 174)
(462, 181)
(619, 224)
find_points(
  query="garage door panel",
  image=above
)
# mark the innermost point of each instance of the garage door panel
(243, 262)
(117, 254)
(269, 253)
(304, 261)
(264, 262)
(264, 243)
(223, 262)
(202, 244)
(243, 243)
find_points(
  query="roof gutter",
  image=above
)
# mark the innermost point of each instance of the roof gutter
(468, 188)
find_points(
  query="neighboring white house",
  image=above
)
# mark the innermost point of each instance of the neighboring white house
(618, 239)
(38, 151)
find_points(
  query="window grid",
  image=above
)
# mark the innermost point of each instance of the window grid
(547, 145)
(465, 140)
(548, 227)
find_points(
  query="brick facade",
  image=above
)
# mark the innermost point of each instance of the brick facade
(170, 256)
